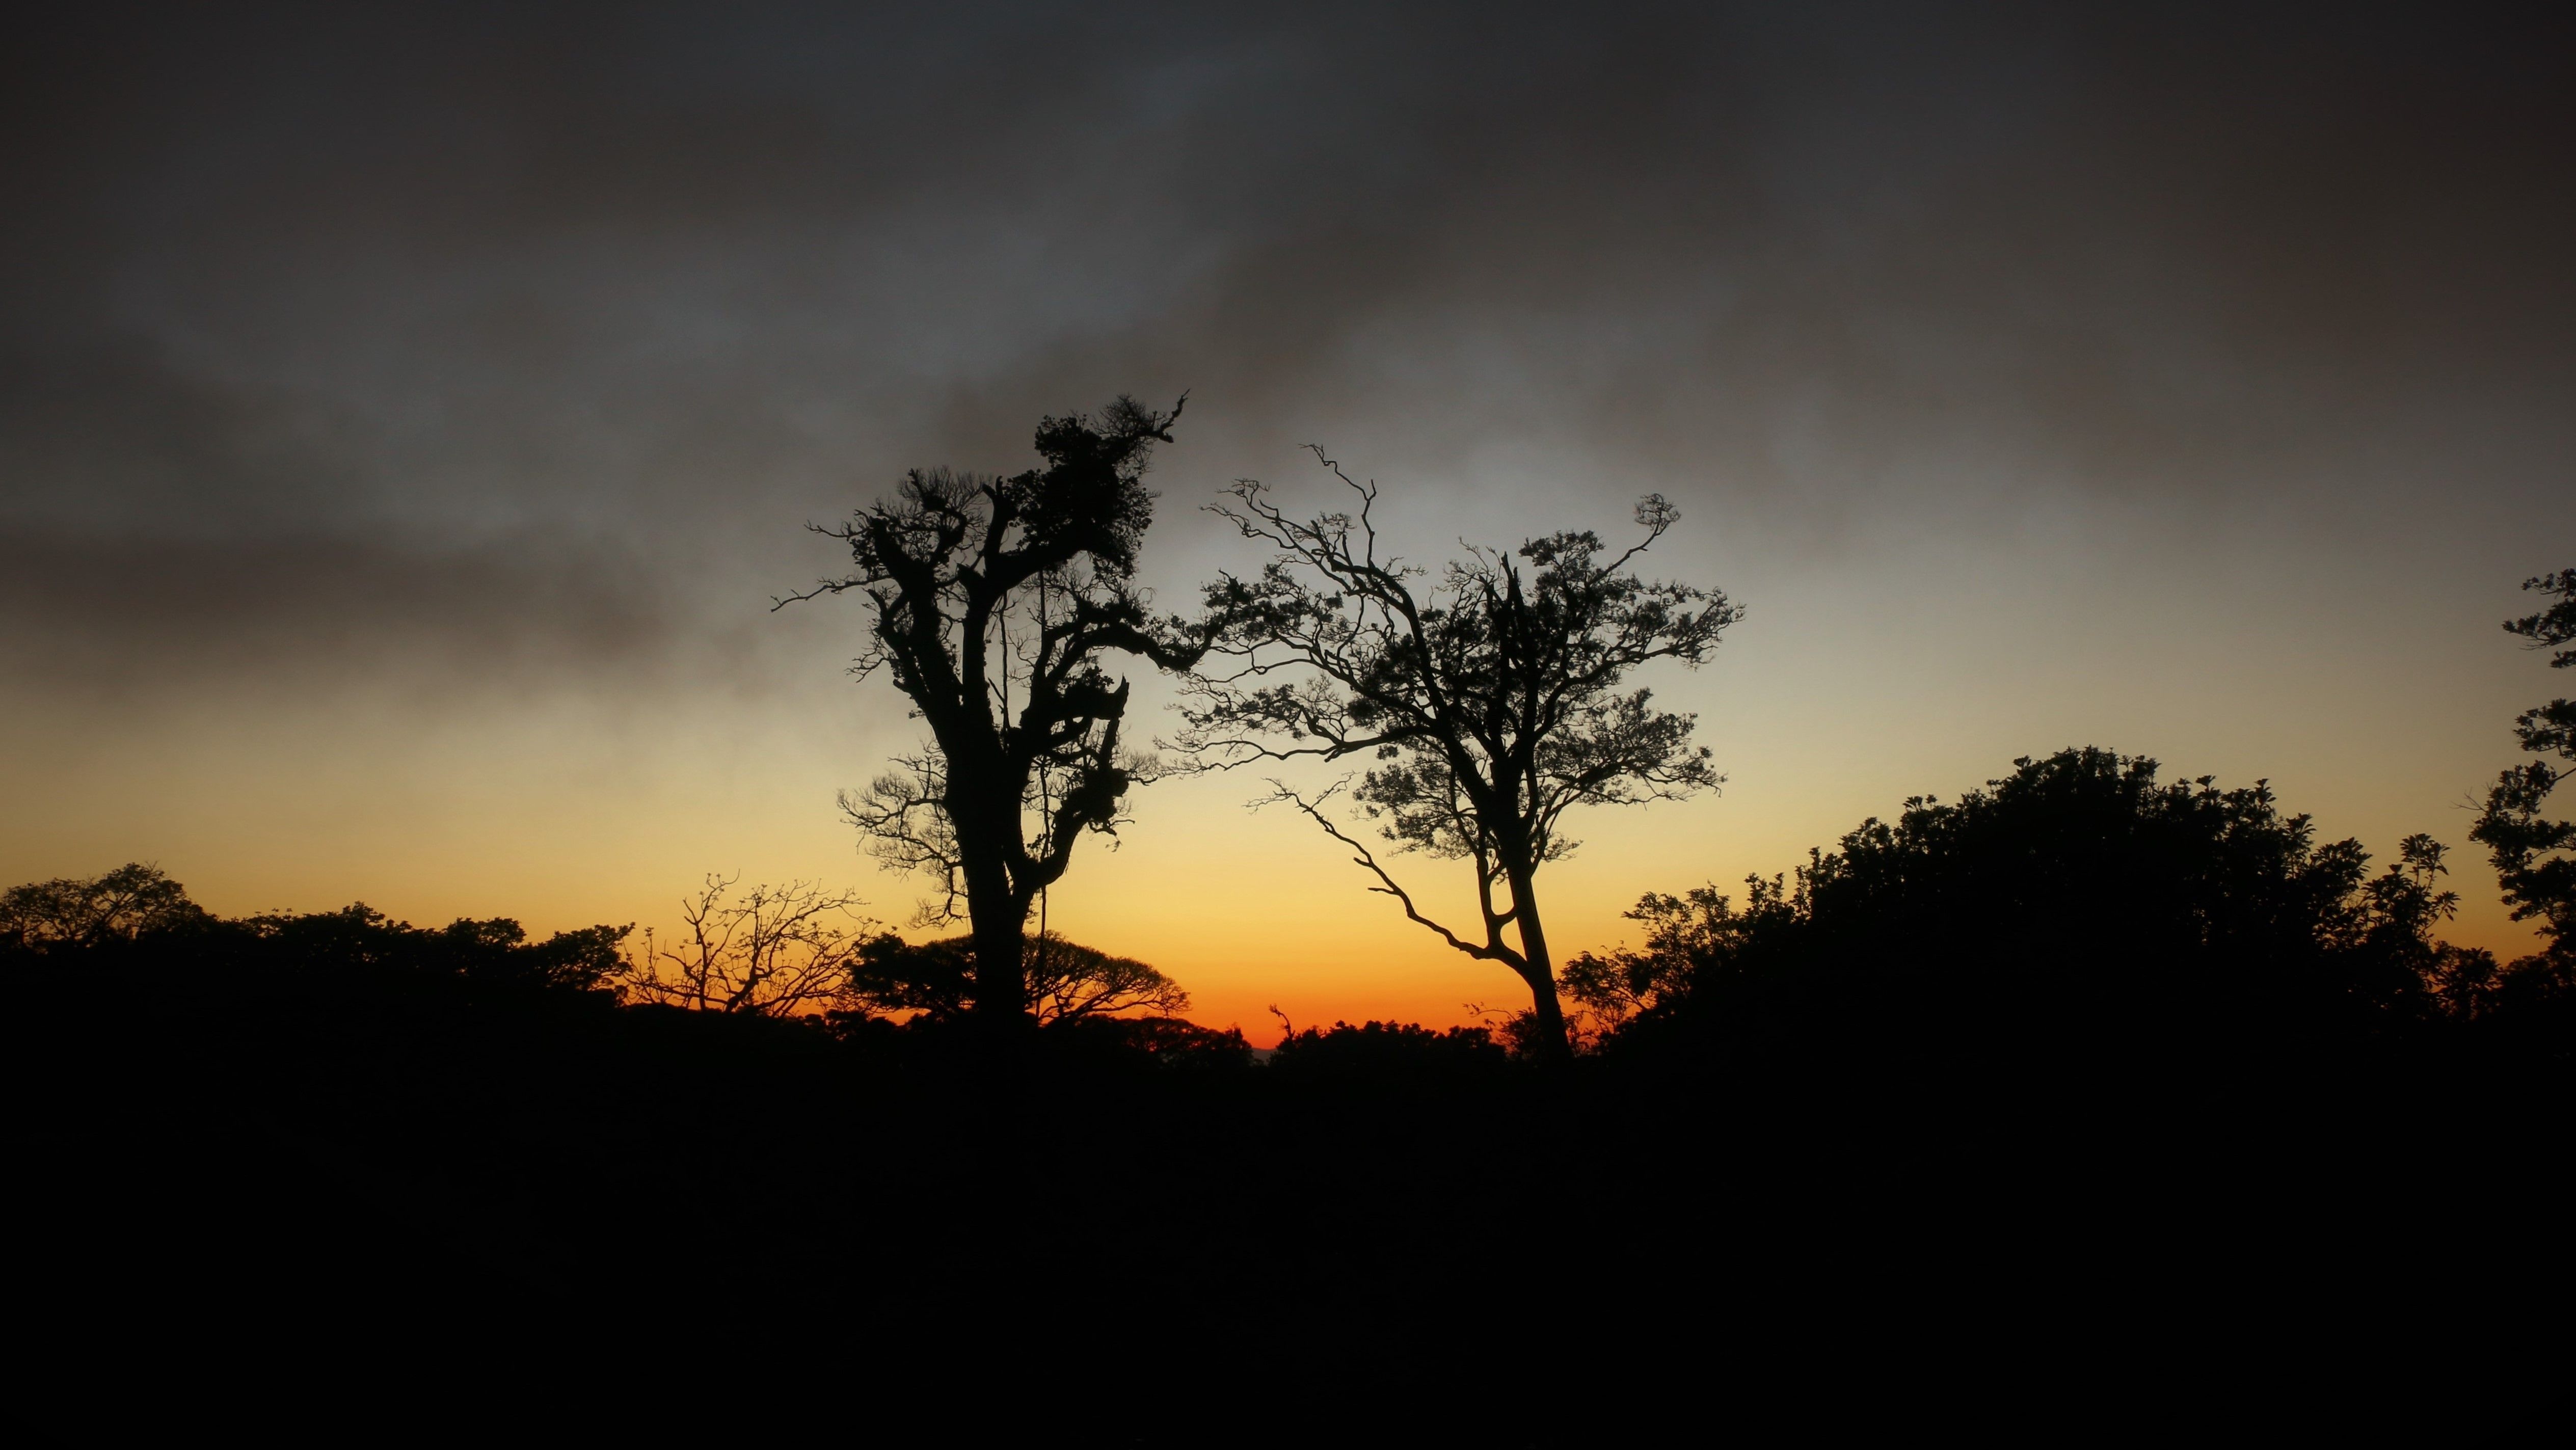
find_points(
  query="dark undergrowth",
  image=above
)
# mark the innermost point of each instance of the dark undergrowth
(2086, 1107)
(456, 1191)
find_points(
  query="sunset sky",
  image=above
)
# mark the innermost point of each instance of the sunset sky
(406, 417)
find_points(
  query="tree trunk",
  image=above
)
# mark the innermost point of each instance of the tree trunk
(1539, 969)
(1551, 1044)
(998, 916)
(1001, 981)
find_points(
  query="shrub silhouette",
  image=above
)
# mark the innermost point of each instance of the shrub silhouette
(1172, 1042)
(1388, 1051)
(136, 913)
(2075, 906)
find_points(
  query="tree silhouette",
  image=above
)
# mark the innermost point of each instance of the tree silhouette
(132, 899)
(1064, 981)
(770, 951)
(994, 602)
(2077, 905)
(1681, 933)
(2530, 851)
(1492, 700)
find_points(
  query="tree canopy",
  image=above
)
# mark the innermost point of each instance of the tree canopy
(2076, 904)
(2531, 852)
(67, 911)
(1065, 981)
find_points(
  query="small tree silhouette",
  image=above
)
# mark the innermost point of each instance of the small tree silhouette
(769, 951)
(1682, 933)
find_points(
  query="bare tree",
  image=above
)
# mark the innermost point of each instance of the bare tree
(772, 951)
(1491, 699)
(993, 603)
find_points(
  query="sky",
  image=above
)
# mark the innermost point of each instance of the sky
(408, 416)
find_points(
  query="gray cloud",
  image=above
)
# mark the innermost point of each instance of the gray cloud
(111, 617)
(475, 318)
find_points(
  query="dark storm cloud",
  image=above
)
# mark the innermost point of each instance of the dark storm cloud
(458, 300)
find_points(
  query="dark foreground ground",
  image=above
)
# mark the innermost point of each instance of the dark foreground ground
(271, 1213)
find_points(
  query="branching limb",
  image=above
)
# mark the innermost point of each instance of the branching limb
(1493, 950)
